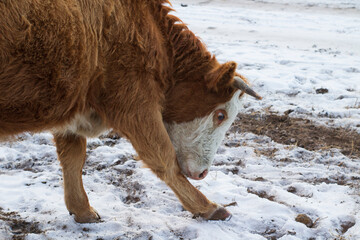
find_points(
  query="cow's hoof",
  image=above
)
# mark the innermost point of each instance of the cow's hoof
(221, 214)
(90, 216)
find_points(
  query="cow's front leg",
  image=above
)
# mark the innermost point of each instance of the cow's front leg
(193, 200)
(71, 151)
(151, 141)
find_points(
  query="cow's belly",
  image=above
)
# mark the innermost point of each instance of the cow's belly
(88, 124)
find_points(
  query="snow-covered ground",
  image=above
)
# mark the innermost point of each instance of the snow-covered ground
(288, 49)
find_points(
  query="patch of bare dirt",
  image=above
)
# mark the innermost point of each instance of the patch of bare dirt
(261, 194)
(18, 227)
(299, 132)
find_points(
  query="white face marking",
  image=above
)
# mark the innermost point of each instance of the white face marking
(197, 141)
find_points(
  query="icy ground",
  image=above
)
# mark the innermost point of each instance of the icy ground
(289, 50)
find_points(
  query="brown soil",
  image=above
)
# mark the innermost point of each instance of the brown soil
(300, 132)
(18, 227)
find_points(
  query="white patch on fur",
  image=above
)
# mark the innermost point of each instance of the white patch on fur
(88, 125)
(196, 142)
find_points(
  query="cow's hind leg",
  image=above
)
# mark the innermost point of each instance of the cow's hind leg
(71, 151)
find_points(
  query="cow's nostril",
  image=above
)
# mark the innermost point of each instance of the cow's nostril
(203, 174)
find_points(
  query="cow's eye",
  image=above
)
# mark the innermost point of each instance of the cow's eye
(220, 116)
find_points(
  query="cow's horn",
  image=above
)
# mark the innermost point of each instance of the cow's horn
(240, 84)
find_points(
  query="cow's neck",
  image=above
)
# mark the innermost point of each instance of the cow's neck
(188, 56)
(190, 59)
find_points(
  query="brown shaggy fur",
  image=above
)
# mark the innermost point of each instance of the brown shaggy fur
(129, 63)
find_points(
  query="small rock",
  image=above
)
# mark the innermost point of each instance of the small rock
(292, 232)
(183, 5)
(291, 189)
(260, 179)
(322, 90)
(232, 143)
(304, 219)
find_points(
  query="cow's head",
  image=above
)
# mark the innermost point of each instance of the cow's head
(198, 112)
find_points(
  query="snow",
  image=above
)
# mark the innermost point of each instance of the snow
(287, 49)
(288, 52)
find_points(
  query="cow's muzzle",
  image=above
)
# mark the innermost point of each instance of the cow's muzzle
(197, 175)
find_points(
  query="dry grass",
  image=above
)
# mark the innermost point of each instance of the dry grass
(355, 106)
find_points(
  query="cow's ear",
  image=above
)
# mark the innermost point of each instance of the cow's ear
(221, 77)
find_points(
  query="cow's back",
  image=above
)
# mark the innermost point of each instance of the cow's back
(56, 56)
(44, 63)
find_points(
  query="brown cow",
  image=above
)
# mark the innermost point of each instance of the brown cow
(78, 67)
